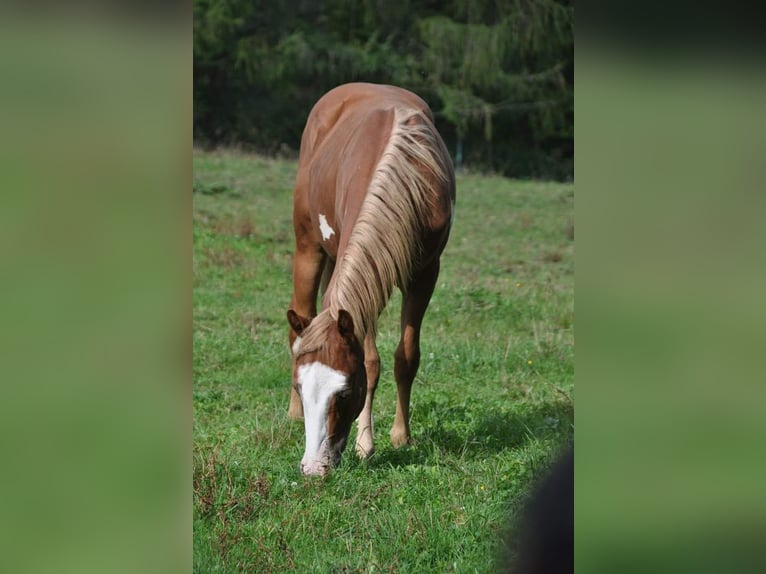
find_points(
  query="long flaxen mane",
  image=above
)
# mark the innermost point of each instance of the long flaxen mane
(385, 242)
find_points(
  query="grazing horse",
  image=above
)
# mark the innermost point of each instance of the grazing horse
(373, 205)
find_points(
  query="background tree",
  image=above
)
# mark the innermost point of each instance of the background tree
(497, 73)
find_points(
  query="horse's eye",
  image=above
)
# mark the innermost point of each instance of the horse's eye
(345, 393)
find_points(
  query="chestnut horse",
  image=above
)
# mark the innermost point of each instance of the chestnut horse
(373, 205)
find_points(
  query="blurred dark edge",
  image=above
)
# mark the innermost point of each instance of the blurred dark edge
(543, 540)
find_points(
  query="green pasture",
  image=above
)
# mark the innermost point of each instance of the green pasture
(491, 406)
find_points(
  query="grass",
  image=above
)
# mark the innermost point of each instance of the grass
(491, 405)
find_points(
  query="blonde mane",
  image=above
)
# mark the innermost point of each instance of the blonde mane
(385, 242)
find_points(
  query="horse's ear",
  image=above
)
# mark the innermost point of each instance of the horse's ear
(345, 323)
(297, 322)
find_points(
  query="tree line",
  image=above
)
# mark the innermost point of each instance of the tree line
(498, 74)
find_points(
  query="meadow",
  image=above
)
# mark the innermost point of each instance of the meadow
(492, 403)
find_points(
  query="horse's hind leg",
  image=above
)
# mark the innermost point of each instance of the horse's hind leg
(365, 435)
(407, 356)
(308, 264)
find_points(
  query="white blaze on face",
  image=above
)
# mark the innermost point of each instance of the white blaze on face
(325, 228)
(318, 384)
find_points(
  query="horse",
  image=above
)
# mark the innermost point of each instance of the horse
(373, 206)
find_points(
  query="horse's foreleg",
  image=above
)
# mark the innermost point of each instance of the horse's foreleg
(407, 356)
(365, 437)
(307, 271)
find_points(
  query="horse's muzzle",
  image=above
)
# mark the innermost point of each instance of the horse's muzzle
(315, 469)
(321, 465)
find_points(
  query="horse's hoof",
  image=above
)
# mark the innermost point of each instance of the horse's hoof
(399, 439)
(364, 452)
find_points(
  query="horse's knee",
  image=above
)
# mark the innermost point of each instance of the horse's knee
(372, 368)
(372, 365)
(406, 361)
(407, 354)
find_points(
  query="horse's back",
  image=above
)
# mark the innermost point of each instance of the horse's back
(344, 139)
(341, 104)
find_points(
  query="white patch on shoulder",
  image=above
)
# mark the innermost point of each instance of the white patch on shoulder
(297, 345)
(318, 384)
(325, 228)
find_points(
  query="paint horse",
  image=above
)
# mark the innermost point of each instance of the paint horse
(373, 205)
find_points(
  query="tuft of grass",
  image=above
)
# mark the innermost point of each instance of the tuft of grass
(491, 406)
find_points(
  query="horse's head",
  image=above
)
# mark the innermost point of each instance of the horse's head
(329, 375)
